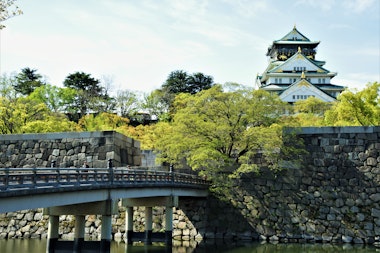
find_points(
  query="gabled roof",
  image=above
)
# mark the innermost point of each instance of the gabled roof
(305, 88)
(294, 35)
(300, 58)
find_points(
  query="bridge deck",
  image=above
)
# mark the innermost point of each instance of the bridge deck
(44, 187)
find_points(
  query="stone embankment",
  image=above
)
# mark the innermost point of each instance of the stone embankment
(33, 224)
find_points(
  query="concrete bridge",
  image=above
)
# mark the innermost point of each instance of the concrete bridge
(83, 191)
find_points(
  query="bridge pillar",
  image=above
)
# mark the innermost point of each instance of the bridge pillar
(168, 224)
(79, 233)
(148, 225)
(106, 234)
(129, 224)
(52, 233)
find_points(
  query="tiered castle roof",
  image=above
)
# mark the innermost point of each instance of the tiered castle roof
(291, 64)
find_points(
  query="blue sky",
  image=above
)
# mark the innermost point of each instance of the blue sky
(137, 43)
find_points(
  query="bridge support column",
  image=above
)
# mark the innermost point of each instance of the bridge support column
(106, 234)
(168, 225)
(129, 224)
(148, 225)
(52, 233)
(79, 233)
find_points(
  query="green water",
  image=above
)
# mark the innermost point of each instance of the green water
(39, 246)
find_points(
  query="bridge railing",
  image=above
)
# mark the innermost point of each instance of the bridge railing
(13, 179)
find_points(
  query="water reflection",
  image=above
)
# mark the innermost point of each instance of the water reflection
(39, 246)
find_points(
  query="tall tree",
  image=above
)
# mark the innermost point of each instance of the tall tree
(198, 82)
(214, 131)
(127, 103)
(180, 81)
(27, 81)
(90, 97)
(56, 99)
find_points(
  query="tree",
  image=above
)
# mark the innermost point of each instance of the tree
(27, 81)
(90, 96)
(180, 81)
(356, 108)
(25, 115)
(6, 86)
(49, 95)
(308, 112)
(102, 121)
(154, 104)
(312, 105)
(215, 131)
(198, 82)
(8, 9)
(127, 103)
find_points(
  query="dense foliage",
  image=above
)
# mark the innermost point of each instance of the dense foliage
(214, 129)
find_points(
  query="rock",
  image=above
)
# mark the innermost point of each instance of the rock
(358, 240)
(346, 239)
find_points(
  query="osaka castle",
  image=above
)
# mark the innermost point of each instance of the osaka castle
(294, 73)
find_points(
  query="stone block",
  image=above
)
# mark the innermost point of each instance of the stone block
(375, 212)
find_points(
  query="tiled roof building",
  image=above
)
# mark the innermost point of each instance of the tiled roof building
(294, 73)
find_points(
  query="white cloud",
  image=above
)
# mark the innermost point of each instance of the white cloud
(358, 6)
(325, 5)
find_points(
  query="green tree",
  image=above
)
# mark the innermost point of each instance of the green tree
(312, 105)
(215, 131)
(154, 104)
(356, 108)
(23, 115)
(90, 95)
(102, 121)
(198, 82)
(50, 95)
(308, 112)
(180, 81)
(7, 83)
(8, 9)
(55, 122)
(27, 81)
(127, 103)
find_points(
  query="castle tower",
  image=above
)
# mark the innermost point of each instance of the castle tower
(293, 72)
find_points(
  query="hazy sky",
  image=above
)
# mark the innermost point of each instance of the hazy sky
(138, 43)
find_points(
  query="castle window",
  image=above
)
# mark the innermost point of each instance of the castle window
(280, 80)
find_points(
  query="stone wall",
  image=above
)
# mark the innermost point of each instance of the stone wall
(333, 197)
(68, 150)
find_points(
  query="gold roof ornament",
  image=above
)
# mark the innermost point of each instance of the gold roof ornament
(299, 50)
(303, 76)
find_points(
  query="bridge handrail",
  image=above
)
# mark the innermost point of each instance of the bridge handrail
(13, 179)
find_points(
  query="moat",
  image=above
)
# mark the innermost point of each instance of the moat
(39, 246)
